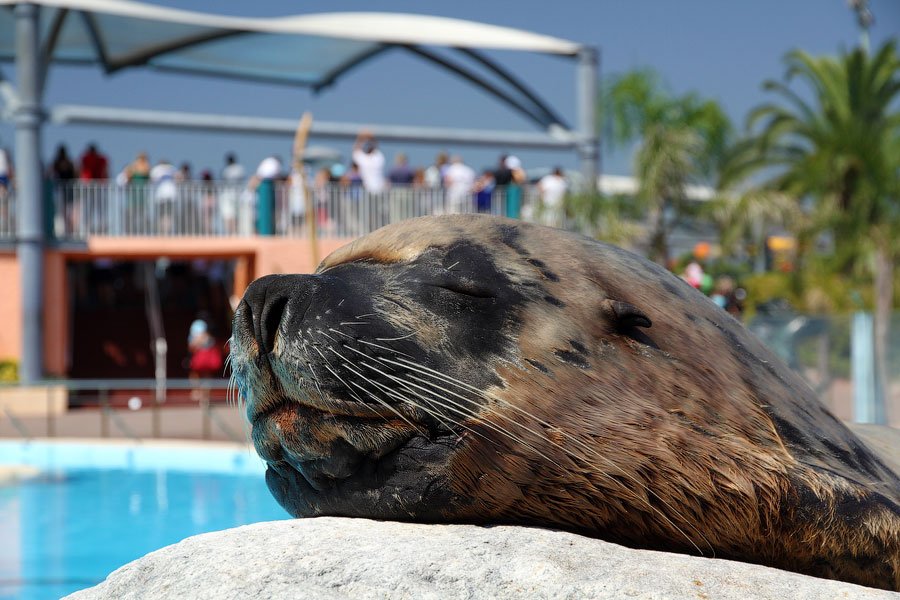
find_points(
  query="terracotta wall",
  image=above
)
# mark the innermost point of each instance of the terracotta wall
(255, 257)
(10, 306)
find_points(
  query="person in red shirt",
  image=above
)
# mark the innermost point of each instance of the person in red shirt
(94, 165)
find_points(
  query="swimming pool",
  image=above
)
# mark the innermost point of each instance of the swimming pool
(96, 506)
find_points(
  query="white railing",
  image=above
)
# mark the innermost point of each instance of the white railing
(216, 209)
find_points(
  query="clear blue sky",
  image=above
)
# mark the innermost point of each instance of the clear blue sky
(721, 50)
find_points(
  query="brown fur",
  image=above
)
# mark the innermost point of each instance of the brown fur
(705, 444)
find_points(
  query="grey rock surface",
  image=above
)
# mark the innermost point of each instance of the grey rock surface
(329, 558)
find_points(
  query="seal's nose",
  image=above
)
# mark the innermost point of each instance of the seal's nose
(266, 300)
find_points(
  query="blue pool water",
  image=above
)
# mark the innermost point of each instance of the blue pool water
(94, 508)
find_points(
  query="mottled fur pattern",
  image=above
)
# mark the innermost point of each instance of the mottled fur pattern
(686, 436)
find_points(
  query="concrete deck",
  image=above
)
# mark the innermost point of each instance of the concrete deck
(177, 422)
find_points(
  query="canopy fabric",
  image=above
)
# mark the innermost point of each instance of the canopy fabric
(311, 50)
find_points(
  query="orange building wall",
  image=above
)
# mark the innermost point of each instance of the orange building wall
(256, 256)
(10, 307)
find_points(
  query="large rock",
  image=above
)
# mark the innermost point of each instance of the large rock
(329, 558)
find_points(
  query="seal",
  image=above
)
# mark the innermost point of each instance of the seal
(472, 369)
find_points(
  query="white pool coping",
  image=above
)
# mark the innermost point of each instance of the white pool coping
(148, 455)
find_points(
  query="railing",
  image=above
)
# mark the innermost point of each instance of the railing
(104, 402)
(214, 209)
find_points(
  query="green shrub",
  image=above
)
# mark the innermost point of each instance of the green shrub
(9, 371)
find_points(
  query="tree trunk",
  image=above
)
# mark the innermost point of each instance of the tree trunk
(659, 240)
(884, 297)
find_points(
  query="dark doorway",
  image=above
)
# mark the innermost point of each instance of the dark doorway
(110, 329)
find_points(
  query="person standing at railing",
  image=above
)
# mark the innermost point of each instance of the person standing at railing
(460, 182)
(370, 161)
(137, 180)
(162, 176)
(233, 176)
(351, 197)
(263, 184)
(207, 203)
(434, 181)
(514, 189)
(553, 191)
(6, 186)
(484, 189)
(187, 211)
(401, 177)
(321, 189)
(62, 173)
(93, 169)
(296, 201)
(503, 177)
(434, 175)
(93, 165)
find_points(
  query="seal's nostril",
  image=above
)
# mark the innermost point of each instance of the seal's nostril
(243, 321)
(265, 301)
(269, 321)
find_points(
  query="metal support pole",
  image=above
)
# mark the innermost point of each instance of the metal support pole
(205, 411)
(29, 194)
(862, 360)
(104, 413)
(586, 95)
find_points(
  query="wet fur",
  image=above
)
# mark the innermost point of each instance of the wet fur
(685, 436)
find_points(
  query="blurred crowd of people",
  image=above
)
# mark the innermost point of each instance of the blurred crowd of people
(722, 290)
(157, 196)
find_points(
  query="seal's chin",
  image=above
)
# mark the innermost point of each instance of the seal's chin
(406, 483)
(315, 450)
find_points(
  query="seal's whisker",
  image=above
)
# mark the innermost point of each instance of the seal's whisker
(346, 335)
(354, 323)
(366, 315)
(403, 337)
(575, 441)
(383, 403)
(389, 349)
(339, 378)
(465, 413)
(425, 408)
(414, 404)
(348, 365)
(457, 407)
(450, 268)
(315, 379)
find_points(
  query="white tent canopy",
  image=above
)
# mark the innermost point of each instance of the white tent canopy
(311, 50)
(306, 50)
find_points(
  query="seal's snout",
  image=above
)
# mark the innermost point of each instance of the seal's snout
(268, 299)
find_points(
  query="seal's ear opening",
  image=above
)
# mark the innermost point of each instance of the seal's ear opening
(626, 318)
(625, 315)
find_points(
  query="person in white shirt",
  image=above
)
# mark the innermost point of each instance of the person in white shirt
(553, 190)
(370, 161)
(162, 176)
(459, 179)
(233, 182)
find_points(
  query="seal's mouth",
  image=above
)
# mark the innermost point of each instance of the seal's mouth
(327, 405)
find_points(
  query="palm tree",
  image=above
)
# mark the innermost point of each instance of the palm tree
(681, 140)
(840, 150)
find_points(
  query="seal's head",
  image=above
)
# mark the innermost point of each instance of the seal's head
(359, 379)
(475, 369)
